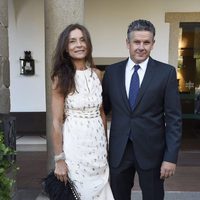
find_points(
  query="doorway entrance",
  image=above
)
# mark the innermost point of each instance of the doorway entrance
(185, 56)
(188, 74)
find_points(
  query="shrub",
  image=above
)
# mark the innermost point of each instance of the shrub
(6, 165)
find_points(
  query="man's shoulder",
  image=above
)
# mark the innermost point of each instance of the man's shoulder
(117, 65)
(160, 63)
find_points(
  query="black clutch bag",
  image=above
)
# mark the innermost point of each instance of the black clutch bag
(57, 190)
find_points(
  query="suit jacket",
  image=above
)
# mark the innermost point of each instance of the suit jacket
(155, 121)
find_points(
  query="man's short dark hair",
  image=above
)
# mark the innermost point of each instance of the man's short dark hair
(140, 25)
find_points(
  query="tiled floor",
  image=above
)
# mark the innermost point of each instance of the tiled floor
(32, 161)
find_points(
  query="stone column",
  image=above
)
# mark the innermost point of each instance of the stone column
(58, 14)
(4, 61)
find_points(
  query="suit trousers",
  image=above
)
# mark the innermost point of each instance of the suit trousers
(122, 178)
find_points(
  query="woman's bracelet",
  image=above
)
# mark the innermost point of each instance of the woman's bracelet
(60, 156)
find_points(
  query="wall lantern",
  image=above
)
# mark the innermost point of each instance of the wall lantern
(27, 64)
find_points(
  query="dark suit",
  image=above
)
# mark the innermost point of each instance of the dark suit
(155, 121)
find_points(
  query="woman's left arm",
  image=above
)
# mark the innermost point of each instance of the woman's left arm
(102, 113)
(103, 116)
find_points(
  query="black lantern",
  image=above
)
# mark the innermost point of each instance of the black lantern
(27, 65)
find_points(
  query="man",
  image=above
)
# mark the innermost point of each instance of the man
(145, 132)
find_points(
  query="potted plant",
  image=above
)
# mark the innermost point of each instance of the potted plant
(6, 167)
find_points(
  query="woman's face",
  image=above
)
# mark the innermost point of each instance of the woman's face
(77, 47)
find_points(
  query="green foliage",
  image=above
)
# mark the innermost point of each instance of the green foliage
(6, 183)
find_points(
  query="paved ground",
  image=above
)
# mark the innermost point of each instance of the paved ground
(136, 195)
(185, 185)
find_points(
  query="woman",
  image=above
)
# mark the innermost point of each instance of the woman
(79, 123)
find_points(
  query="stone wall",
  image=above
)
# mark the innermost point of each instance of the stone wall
(4, 59)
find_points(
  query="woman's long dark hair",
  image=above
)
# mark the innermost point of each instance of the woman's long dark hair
(63, 67)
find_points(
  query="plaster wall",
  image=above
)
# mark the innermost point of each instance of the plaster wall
(108, 22)
(26, 32)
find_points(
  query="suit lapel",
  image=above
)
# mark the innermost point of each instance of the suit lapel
(146, 81)
(121, 79)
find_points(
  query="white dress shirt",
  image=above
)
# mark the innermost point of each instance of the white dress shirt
(129, 71)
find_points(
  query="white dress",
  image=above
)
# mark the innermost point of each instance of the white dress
(84, 138)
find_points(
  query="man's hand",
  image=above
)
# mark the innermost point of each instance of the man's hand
(167, 169)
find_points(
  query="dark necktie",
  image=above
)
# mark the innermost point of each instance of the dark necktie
(134, 86)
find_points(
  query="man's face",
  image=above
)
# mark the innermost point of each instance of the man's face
(140, 45)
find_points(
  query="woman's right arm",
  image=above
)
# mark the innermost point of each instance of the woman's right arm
(57, 137)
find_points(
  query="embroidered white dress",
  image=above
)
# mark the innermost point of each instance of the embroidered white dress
(84, 138)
